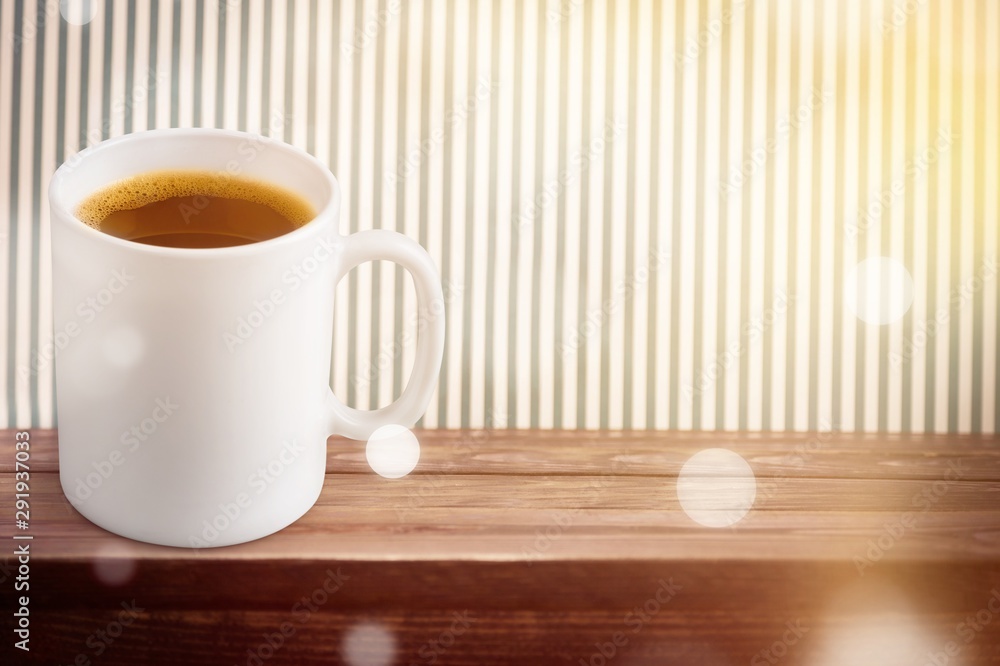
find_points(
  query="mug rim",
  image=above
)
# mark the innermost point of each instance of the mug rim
(59, 209)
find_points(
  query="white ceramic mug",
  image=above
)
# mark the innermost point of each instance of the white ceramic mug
(192, 385)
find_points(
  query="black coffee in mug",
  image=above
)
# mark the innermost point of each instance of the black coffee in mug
(194, 209)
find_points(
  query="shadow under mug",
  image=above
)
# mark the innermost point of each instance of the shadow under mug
(192, 385)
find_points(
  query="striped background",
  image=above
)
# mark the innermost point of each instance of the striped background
(562, 162)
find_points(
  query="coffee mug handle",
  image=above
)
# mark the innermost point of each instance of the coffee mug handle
(391, 246)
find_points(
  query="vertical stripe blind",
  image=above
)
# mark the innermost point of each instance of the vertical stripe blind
(691, 214)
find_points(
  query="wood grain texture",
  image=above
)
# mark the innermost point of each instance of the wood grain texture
(548, 546)
(642, 453)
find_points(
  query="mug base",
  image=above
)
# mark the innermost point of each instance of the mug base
(229, 534)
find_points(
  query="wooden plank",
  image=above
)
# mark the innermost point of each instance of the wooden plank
(545, 493)
(370, 517)
(550, 540)
(512, 452)
(332, 637)
(563, 614)
(720, 583)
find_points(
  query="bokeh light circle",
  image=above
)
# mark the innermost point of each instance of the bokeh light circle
(716, 487)
(878, 290)
(114, 564)
(392, 451)
(79, 12)
(368, 644)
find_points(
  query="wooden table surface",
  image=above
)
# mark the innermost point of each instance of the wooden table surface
(533, 547)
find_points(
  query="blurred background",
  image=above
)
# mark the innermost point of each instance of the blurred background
(702, 214)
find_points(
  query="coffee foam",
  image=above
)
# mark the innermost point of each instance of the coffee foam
(143, 189)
